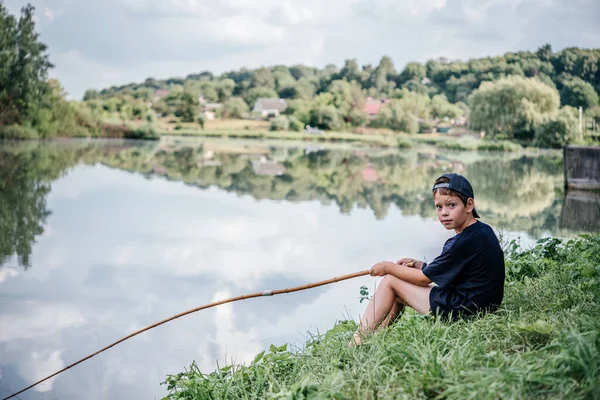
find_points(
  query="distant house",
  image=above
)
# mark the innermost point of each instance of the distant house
(160, 93)
(267, 167)
(459, 121)
(210, 110)
(372, 106)
(269, 107)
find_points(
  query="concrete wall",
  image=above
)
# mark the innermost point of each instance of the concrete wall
(582, 167)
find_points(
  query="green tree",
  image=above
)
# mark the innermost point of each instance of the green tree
(263, 78)
(325, 117)
(299, 109)
(414, 103)
(301, 71)
(346, 96)
(201, 120)
(225, 89)
(512, 106)
(441, 108)
(384, 75)
(558, 130)
(350, 71)
(91, 94)
(280, 123)
(295, 124)
(413, 71)
(235, 107)
(187, 108)
(395, 117)
(576, 92)
(358, 118)
(544, 53)
(24, 66)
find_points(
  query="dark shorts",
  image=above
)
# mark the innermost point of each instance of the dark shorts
(449, 305)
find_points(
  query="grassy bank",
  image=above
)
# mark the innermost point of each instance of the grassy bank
(259, 130)
(376, 140)
(543, 343)
(111, 131)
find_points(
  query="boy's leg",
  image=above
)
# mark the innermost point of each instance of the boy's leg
(389, 301)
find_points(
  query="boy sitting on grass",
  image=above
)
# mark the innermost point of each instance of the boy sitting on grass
(468, 275)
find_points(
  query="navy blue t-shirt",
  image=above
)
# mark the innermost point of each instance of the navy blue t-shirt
(469, 273)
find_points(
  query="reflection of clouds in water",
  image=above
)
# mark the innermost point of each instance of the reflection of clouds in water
(40, 365)
(232, 342)
(38, 321)
(7, 272)
(127, 252)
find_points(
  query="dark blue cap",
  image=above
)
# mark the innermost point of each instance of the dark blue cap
(459, 184)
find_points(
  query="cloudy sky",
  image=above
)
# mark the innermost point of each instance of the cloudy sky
(95, 44)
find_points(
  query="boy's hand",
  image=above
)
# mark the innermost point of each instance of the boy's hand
(381, 268)
(410, 262)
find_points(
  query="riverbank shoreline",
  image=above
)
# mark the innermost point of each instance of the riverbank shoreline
(544, 341)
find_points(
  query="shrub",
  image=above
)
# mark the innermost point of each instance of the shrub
(235, 107)
(557, 131)
(280, 123)
(325, 117)
(404, 144)
(358, 118)
(201, 120)
(17, 132)
(146, 132)
(295, 124)
(396, 118)
(498, 146)
(426, 127)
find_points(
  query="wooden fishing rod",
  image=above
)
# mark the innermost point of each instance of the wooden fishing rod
(216, 303)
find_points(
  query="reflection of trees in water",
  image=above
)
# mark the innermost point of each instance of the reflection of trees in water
(517, 188)
(26, 174)
(23, 209)
(513, 191)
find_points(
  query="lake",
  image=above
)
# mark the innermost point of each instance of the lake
(101, 238)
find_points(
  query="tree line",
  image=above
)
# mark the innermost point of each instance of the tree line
(545, 89)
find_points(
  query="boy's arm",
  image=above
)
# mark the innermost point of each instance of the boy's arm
(407, 274)
(411, 262)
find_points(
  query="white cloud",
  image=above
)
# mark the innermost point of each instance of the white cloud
(162, 39)
(69, 70)
(44, 320)
(41, 364)
(7, 272)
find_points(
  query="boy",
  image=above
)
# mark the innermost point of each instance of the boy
(469, 274)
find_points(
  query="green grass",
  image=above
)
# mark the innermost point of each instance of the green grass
(375, 140)
(399, 140)
(544, 343)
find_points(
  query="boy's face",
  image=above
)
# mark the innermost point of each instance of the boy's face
(451, 211)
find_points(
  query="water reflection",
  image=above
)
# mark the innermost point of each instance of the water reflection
(102, 239)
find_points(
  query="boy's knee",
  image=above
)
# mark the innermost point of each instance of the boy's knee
(387, 280)
(391, 281)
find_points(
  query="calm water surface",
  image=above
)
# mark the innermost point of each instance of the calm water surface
(98, 239)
